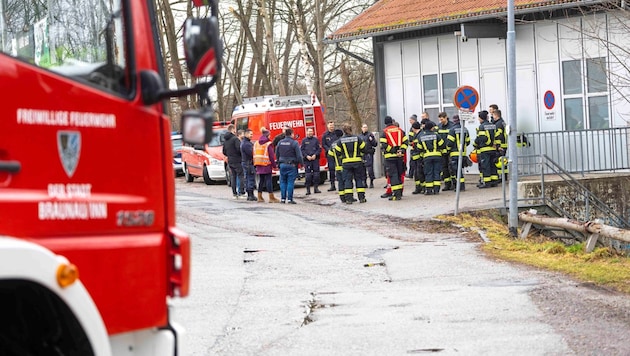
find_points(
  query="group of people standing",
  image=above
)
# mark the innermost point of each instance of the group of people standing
(434, 151)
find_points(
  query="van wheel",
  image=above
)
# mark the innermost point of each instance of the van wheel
(275, 182)
(322, 177)
(187, 175)
(206, 176)
(227, 176)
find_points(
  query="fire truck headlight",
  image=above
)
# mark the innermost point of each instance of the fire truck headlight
(67, 274)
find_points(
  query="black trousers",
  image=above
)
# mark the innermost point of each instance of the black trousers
(311, 170)
(331, 169)
(394, 168)
(354, 173)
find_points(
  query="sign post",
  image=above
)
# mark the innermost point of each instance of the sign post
(465, 99)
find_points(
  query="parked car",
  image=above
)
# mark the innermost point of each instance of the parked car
(206, 161)
(177, 142)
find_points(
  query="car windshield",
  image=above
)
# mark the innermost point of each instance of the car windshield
(177, 144)
(217, 139)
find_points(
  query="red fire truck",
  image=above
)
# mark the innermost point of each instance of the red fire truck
(89, 249)
(274, 112)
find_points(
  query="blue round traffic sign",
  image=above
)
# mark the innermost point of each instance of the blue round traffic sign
(550, 100)
(466, 98)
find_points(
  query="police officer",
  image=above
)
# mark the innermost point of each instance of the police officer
(454, 147)
(431, 146)
(485, 145)
(327, 140)
(393, 145)
(289, 155)
(368, 157)
(350, 149)
(444, 128)
(311, 151)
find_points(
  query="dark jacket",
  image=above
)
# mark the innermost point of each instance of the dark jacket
(370, 141)
(328, 138)
(288, 151)
(310, 146)
(232, 148)
(247, 151)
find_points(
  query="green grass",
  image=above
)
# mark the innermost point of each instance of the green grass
(603, 266)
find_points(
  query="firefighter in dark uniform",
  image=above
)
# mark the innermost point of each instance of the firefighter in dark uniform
(485, 145)
(368, 158)
(416, 159)
(431, 146)
(338, 170)
(327, 140)
(311, 151)
(350, 150)
(410, 137)
(454, 147)
(502, 143)
(444, 127)
(393, 145)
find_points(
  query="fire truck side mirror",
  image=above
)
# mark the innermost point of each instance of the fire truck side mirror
(197, 126)
(203, 46)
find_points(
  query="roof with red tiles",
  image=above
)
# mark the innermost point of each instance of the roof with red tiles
(406, 15)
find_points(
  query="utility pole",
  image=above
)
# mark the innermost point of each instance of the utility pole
(511, 128)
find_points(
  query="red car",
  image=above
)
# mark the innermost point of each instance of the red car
(207, 161)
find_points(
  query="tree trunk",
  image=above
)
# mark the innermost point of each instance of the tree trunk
(347, 91)
(275, 65)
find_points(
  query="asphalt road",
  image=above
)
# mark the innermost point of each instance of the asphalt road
(324, 278)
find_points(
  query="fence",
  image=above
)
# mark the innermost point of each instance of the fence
(579, 151)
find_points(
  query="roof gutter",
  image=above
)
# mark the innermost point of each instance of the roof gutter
(460, 20)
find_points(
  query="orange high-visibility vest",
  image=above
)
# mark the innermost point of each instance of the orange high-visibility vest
(261, 154)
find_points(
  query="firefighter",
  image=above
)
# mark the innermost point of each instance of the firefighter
(431, 145)
(338, 170)
(444, 128)
(368, 158)
(410, 137)
(350, 150)
(502, 143)
(394, 144)
(454, 148)
(311, 151)
(416, 159)
(485, 145)
(327, 139)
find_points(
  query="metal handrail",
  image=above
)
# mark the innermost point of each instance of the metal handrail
(591, 201)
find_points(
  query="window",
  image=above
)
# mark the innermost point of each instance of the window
(438, 92)
(585, 96)
(68, 37)
(430, 88)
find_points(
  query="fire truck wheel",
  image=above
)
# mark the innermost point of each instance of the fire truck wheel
(187, 175)
(206, 176)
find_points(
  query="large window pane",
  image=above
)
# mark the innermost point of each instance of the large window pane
(430, 87)
(433, 113)
(449, 85)
(596, 75)
(450, 111)
(573, 114)
(598, 112)
(67, 36)
(572, 77)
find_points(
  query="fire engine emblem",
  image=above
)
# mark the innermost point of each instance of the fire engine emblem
(69, 147)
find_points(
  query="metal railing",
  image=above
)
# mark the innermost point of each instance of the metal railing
(572, 194)
(579, 151)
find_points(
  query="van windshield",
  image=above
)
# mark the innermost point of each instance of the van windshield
(217, 138)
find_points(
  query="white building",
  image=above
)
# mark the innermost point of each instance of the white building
(571, 68)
